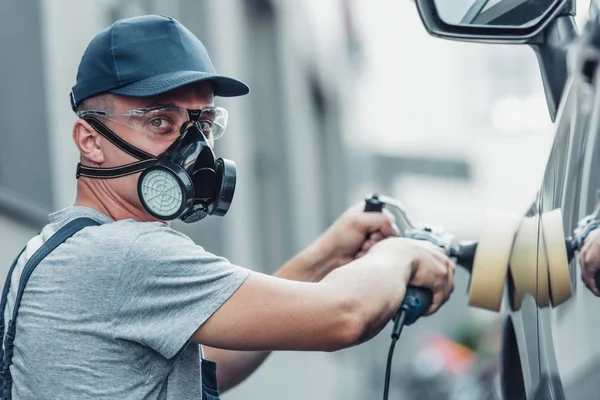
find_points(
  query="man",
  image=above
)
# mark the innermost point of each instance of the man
(132, 309)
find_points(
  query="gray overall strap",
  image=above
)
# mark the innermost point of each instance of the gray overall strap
(55, 240)
(3, 301)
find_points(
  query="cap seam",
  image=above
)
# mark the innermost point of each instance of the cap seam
(112, 52)
(178, 33)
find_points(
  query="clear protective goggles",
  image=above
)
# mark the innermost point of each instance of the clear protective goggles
(167, 120)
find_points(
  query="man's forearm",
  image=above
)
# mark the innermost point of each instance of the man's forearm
(233, 367)
(311, 265)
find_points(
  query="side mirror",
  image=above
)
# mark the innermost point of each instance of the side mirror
(547, 26)
(490, 21)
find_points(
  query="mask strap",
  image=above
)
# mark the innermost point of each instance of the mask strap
(145, 159)
(117, 141)
(115, 172)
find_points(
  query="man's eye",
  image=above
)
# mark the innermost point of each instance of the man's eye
(159, 123)
(206, 126)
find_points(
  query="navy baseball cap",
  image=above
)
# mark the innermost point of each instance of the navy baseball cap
(146, 56)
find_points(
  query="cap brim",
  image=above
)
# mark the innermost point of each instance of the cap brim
(223, 86)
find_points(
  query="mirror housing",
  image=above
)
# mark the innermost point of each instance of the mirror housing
(500, 34)
(548, 37)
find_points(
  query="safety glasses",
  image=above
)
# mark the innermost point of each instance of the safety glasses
(167, 120)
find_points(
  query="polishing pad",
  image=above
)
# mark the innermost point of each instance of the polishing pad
(523, 261)
(556, 255)
(542, 297)
(491, 260)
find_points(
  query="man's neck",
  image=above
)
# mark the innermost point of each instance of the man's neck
(96, 197)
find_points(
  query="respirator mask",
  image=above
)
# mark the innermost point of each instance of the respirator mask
(186, 181)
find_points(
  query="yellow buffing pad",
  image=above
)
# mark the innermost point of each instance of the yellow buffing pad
(491, 260)
(523, 261)
(543, 290)
(558, 262)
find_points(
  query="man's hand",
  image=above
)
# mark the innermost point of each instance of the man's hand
(589, 259)
(353, 234)
(432, 269)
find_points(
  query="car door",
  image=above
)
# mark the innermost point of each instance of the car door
(569, 348)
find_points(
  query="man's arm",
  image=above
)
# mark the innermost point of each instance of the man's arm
(347, 307)
(341, 243)
(233, 367)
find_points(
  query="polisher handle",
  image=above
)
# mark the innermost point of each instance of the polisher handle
(416, 300)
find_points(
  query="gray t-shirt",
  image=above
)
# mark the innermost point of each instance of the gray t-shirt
(110, 312)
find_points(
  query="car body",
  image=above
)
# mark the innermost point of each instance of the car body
(552, 351)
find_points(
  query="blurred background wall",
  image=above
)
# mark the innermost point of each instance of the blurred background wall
(348, 97)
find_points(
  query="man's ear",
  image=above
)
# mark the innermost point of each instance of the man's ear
(87, 140)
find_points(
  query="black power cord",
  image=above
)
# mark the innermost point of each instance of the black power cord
(416, 300)
(399, 320)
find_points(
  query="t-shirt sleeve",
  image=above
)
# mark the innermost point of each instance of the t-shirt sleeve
(168, 288)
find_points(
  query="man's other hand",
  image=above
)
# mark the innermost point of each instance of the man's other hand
(589, 260)
(354, 233)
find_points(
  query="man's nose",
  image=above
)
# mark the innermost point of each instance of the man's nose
(185, 126)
